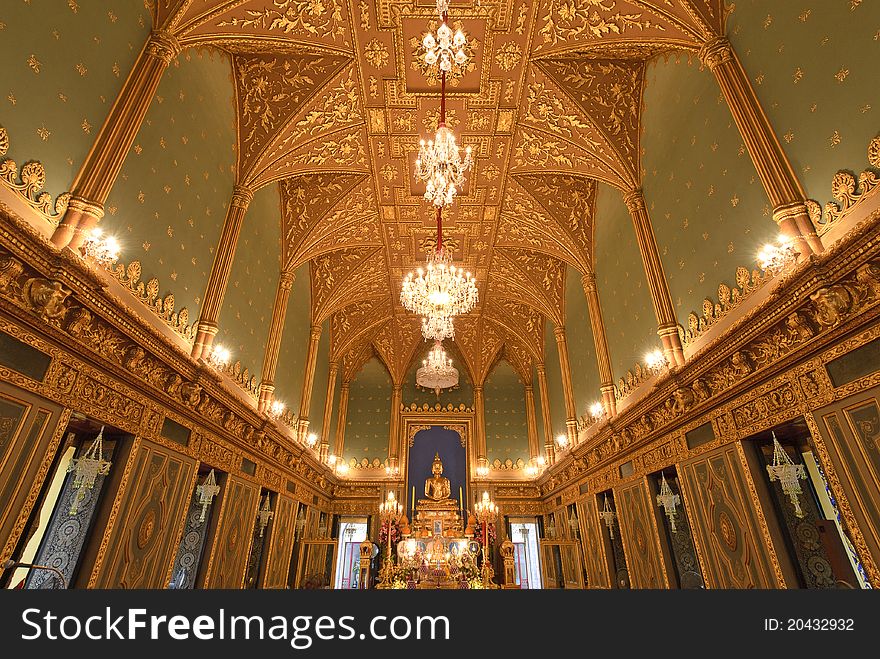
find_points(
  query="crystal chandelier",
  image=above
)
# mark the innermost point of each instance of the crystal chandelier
(264, 515)
(608, 516)
(440, 164)
(668, 501)
(439, 292)
(104, 250)
(437, 371)
(788, 474)
(655, 361)
(206, 493)
(778, 257)
(86, 470)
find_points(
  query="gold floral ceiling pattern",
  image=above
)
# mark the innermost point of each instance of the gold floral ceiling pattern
(332, 100)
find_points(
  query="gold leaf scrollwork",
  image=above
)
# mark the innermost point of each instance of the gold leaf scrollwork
(847, 192)
(244, 379)
(148, 293)
(29, 182)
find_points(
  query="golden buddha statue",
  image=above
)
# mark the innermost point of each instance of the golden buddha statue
(437, 487)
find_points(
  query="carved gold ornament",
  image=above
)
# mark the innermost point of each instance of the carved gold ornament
(28, 182)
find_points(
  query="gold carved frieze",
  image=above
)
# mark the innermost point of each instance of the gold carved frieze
(28, 184)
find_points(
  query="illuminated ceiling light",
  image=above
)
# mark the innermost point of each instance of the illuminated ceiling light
(441, 167)
(655, 361)
(597, 411)
(561, 441)
(438, 328)
(312, 439)
(446, 50)
(779, 256)
(277, 409)
(437, 371)
(104, 250)
(219, 357)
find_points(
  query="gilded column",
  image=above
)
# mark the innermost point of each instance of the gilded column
(99, 170)
(328, 409)
(273, 342)
(308, 381)
(220, 270)
(480, 413)
(549, 450)
(570, 408)
(777, 175)
(534, 450)
(603, 358)
(667, 327)
(394, 426)
(341, 418)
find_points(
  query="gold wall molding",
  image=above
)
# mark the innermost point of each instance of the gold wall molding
(28, 184)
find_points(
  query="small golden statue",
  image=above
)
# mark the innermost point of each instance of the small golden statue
(437, 487)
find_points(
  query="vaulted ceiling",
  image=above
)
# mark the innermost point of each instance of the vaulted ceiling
(332, 99)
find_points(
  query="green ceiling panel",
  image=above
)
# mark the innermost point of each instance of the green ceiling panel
(581, 349)
(247, 308)
(554, 381)
(368, 423)
(462, 395)
(630, 323)
(506, 423)
(813, 65)
(64, 64)
(707, 206)
(294, 342)
(168, 205)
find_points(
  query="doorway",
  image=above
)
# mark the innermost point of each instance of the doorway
(352, 532)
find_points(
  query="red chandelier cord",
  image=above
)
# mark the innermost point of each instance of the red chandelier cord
(440, 124)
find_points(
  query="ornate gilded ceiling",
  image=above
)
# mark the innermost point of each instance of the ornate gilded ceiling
(332, 99)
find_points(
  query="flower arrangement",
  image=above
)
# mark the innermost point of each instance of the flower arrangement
(395, 536)
(478, 534)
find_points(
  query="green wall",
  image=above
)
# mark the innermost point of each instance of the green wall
(463, 395)
(506, 422)
(630, 323)
(581, 349)
(554, 381)
(169, 202)
(247, 308)
(81, 57)
(813, 65)
(294, 342)
(368, 422)
(707, 206)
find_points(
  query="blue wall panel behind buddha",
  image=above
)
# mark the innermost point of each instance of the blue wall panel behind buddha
(426, 443)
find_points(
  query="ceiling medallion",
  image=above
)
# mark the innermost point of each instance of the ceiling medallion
(440, 164)
(437, 371)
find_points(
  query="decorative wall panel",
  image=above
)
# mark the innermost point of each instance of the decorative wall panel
(734, 543)
(640, 540)
(30, 429)
(142, 540)
(595, 556)
(849, 438)
(231, 549)
(280, 544)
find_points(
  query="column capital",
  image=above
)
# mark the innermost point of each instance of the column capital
(634, 200)
(540, 368)
(163, 46)
(716, 51)
(333, 366)
(86, 207)
(285, 281)
(529, 388)
(478, 388)
(588, 281)
(559, 333)
(396, 387)
(241, 197)
(345, 386)
(315, 332)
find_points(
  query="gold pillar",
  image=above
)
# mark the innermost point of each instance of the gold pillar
(99, 170)
(603, 357)
(341, 418)
(480, 412)
(667, 327)
(777, 175)
(328, 409)
(394, 426)
(220, 271)
(273, 342)
(308, 381)
(534, 450)
(570, 408)
(549, 450)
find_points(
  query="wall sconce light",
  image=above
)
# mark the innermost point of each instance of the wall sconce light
(788, 474)
(779, 256)
(219, 357)
(668, 501)
(104, 250)
(597, 410)
(562, 441)
(206, 493)
(277, 409)
(655, 361)
(312, 439)
(608, 516)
